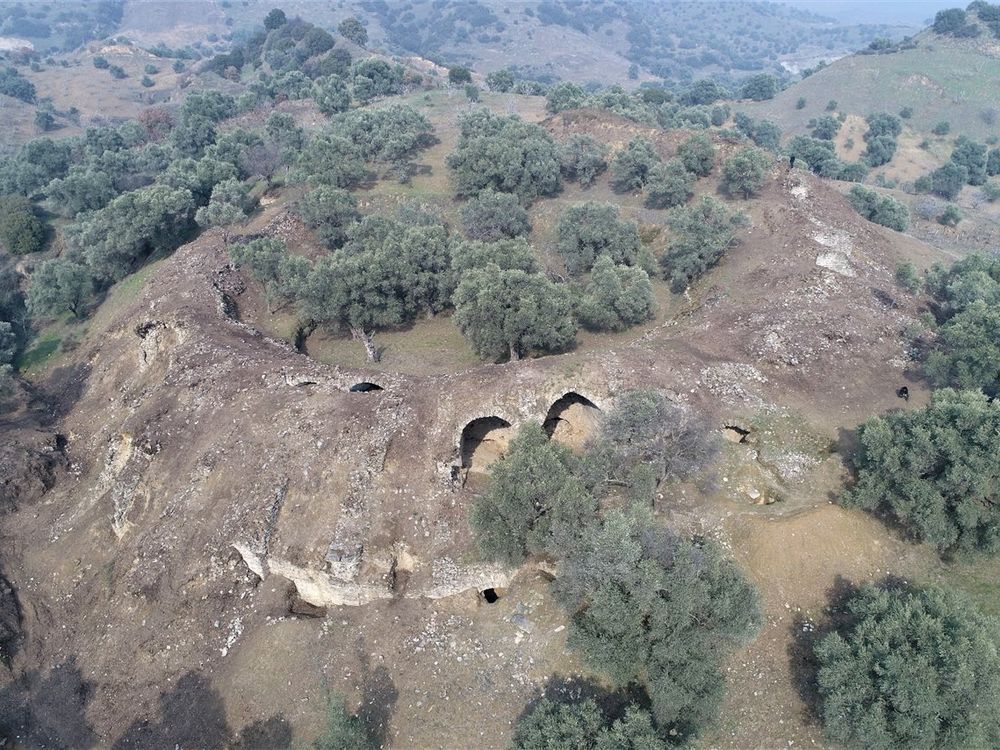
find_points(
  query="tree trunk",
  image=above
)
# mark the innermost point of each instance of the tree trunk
(368, 340)
(514, 356)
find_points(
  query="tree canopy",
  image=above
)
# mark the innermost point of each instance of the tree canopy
(702, 232)
(492, 216)
(589, 230)
(512, 312)
(913, 668)
(505, 154)
(616, 297)
(745, 171)
(936, 470)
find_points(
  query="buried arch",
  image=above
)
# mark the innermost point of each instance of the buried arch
(484, 441)
(365, 387)
(572, 420)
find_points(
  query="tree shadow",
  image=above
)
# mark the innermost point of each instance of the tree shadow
(48, 710)
(378, 699)
(192, 714)
(274, 733)
(562, 689)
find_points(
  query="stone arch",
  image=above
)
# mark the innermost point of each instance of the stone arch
(484, 441)
(365, 387)
(572, 420)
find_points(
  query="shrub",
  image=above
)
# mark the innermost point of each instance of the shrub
(101, 63)
(669, 185)
(616, 297)
(631, 166)
(935, 470)
(21, 231)
(907, 277)
(147, 82)
(472, 93)
(582, 158)
(589, 230)
(948, 180)
(910, 668)
(702, 234)
(880, 209)
(697, 154)
(228, 205)
(800, 103)
(991, 191)
(831, 106)
(942, 128)
(744, 172)
(118, 72)
(951, 216)
(493, 216)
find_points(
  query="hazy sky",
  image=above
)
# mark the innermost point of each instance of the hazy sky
(907, 12)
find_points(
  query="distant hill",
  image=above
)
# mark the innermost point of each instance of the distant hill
(58, 26)
(941, 79)
(588, 41)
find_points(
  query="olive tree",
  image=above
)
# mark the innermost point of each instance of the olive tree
(505, 154)
(59, 286)
(702, 233)
(21, 231)
(745, 171)
(328, 211)
(650, 607)
(583, 726)
(532, 501)
(616, 297)
(386, 275)
(588, 230)
(632, 165)
(911, 668)
(492, 216)
(508, 313)
(935, 470)
(697, 154)
(669, 185)
(583, 158)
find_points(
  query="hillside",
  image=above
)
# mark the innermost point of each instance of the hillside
(352, 401)
(596, 41)
(941, 79)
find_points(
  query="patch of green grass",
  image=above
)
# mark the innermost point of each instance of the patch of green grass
(39, 352)
(977, 578)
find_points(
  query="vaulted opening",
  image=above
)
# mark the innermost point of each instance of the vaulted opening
(365, 387)
(484, 441)
(490, 596)
(572, 420)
